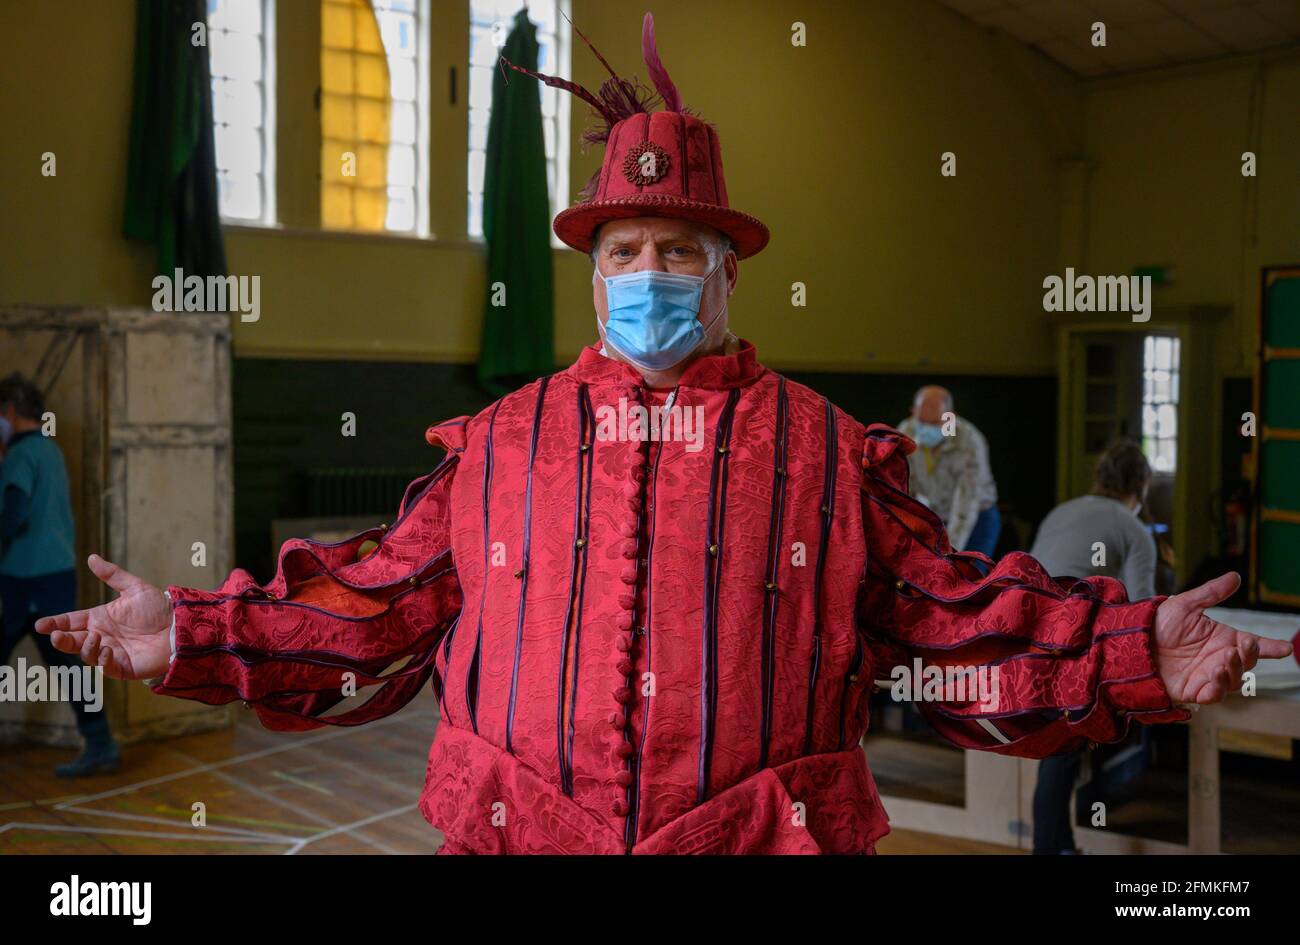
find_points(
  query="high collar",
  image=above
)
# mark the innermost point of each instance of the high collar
(711, 372)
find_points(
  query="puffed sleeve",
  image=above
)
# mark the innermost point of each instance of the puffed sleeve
(356, 620)
(1010, 660)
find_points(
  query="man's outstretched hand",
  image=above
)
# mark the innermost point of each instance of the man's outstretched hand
(1201, 660)
(127, 636)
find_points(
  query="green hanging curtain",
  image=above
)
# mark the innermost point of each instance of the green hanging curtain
(518, 336)
(171, 180)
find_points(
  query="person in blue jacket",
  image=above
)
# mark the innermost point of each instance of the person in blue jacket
(38, 557)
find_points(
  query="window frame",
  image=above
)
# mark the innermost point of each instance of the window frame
(1151, 444)
(268, 178)
(559, 199)
(423, 102)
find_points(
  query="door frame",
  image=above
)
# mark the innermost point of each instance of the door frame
(1069, 408)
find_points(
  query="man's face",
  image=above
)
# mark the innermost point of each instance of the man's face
(929, 407)
(669, 246)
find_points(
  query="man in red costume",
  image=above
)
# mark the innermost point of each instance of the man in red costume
(653, 591)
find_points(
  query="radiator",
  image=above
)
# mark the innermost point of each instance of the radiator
(371, 490)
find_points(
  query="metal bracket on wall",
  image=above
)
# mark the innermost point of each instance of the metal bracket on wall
(54, 359)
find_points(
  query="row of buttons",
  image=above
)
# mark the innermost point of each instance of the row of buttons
(625, 643)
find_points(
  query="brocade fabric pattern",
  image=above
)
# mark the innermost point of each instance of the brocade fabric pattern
(664, 644)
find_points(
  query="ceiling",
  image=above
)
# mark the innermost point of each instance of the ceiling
(1140, 34)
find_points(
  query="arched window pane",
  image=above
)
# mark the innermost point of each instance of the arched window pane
(374, 73)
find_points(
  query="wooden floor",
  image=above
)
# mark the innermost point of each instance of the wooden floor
(345, 790)
(918, 768)
(334, 791)
(910, 841)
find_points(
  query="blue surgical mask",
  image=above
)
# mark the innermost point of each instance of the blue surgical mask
(6, 431)
(653, 316)
(929, 434)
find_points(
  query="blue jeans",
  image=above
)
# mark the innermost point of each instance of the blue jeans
(22, 602)
(984, 536)
(1053, 831)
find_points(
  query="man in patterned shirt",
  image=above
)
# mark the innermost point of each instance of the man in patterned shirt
(951, 473)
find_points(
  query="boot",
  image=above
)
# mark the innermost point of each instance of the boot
(100, 755)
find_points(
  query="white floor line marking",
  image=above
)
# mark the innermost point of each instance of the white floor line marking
(72, 802)
(73, 828)
(399, 788)
(215, 828)
(303, 783)
(281, 802)
(202, 769)
(352, 826)
(19, 805)
(352, 766)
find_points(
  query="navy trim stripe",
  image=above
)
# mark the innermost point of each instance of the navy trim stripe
(712, 576)
(524, 564)
(568, 611)
(472, 672)
(566, 784)
(446, 665)
(774, 552)
(589, 429)
(828, 514)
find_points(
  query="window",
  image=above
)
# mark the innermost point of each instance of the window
(1160, 372)
(489, 25)
(374, 115)
(241, 48)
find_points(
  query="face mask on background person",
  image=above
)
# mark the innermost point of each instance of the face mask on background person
(929, 434)
(653, 316)
(6, 431)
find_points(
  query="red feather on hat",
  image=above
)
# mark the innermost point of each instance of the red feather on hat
(568, 86)
(658, 74)
(617, 98)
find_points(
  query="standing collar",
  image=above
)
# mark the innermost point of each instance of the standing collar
(710, 372)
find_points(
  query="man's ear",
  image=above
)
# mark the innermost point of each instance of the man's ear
(731, 266)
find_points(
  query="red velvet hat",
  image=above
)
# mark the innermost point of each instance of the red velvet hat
(657, 163)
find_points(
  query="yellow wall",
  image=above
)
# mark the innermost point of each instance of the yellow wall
(835, 145)
(1167, 189)
(65, 87)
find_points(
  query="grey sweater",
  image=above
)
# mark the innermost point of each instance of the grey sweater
(1067, 544)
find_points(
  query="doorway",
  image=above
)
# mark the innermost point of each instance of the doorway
(1127, 383)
